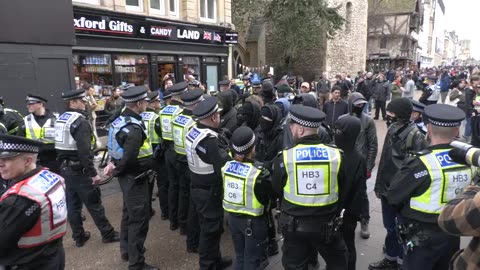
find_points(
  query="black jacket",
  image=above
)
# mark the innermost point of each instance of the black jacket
(11, 119)
(395, 151)
(270, 142)
(228, 115)
(17, 216)
(333, 110)
(380, 91)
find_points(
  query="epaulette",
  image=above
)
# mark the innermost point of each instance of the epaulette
(422, 152)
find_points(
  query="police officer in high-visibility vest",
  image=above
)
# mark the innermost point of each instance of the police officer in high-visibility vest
(167, 115)
(310, 179)
(10, 118)
(33, 211)
(74, 142)
(40, 125)
(187, 216)
(247, 189)
(154, 130)
(131, 153)
(424, 185)
(207, 154)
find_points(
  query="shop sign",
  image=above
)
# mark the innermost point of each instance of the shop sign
(109, 26)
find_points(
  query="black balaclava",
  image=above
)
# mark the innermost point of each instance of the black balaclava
(356, 110)
(347, 129)
(248, 115)
(402, 107)
(270, 119)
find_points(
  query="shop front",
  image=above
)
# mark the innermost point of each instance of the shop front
(113, 49)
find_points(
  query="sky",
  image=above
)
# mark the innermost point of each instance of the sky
(463, 16)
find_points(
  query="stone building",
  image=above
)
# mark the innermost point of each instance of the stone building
(345, 53)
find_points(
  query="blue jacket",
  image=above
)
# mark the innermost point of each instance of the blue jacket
(445, 84)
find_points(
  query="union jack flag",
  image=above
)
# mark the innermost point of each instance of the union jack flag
(217, 37)
(207, 35)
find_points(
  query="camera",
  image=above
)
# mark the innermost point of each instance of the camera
(464, 153)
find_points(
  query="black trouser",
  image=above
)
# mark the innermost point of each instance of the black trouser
(348, 229)
(435, 255)
(208, 204)
(55, 261)
(193, 227)
(184, 194)
(365, 211)
(250, 250)
(297, 250)
(80, 190)
(135, 217)
(162, 181)
(380, 106)
(173, 184)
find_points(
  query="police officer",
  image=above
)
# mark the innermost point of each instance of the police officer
(424, 185)
(246, 193)
(181, 126)
(417, 114)
(40, 125)
(247, 88)
(131, 152)
(154, 130)
(207, 153)
(309, 178)
(74, 142)
(10, 118)
(167, 115)
(33, 211)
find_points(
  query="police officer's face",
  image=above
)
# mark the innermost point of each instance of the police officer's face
(13, 167)
(34, 107)
(142, 105)
(216, 119)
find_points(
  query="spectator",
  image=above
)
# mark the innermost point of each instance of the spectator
(396, 88)
(91, 107)
(444, 85)
(380, 95)
(409, 89)
(114, 103)
(323, 90)
(346, 87)
(335, 107)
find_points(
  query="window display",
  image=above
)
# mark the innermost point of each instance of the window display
(95, 69)
(131, 69)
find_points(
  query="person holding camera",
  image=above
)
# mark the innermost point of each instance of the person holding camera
(423, 186)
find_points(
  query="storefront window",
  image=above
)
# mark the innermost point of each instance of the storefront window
(131, 69)
(94, 69)
(212, 78)
(191, 65)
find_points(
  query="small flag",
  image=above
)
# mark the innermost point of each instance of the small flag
(217, 37)
(207, 35)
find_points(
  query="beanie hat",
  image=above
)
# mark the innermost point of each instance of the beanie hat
(402, 107)
(284, 88)
(267, 89)
(243, 140)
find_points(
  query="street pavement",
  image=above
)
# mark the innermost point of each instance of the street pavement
(166, 249)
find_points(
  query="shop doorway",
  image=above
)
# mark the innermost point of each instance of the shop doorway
(212, 78)
(166, 69)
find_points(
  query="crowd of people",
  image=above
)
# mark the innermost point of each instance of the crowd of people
(282, 159)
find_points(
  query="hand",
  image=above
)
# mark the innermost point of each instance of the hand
(369, 174)
(108, 170)
(96, 180)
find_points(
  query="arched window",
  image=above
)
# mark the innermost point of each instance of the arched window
(348, 17)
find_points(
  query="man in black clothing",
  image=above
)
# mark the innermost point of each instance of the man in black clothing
(346, 87)
(347, 129)
(228, 113)
(40, 125)
(380, 94)
(114, 102)
(401, 140)
(314, 169)
(27, 238)
(335, 107)
(207, 153)
(131, 153)
(74, 142)
(10, 118)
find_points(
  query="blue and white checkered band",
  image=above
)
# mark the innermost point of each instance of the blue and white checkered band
(243, 148)
(304, 123)
(81, 95)
(32, 99)
(179, 92)
(444, 124)
(215, 109)
(193, 102)
(18, 147)
(135, 99)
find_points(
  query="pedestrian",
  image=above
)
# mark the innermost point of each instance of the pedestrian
(335, 107)
(10, 118)
(396, 88)
(182, 124)
(409, 89)
(323, 90)
(92, 106)
(40, 125)
(401, 139)
(445, 82)
(307, 222)
(152, 123)
(115, 102)
(74, 142)
(380, 95)
(417, 116)
(346, 86)
(423, 186)
(228, 113)
(431, 93)
(366, 91)
(33, 212)
(347, 129)
(167, 115)
(131, 153)
(247, 191)
(367, 145)
(207, 153)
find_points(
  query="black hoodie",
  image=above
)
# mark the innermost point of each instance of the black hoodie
(270, 142)
(228, 115)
